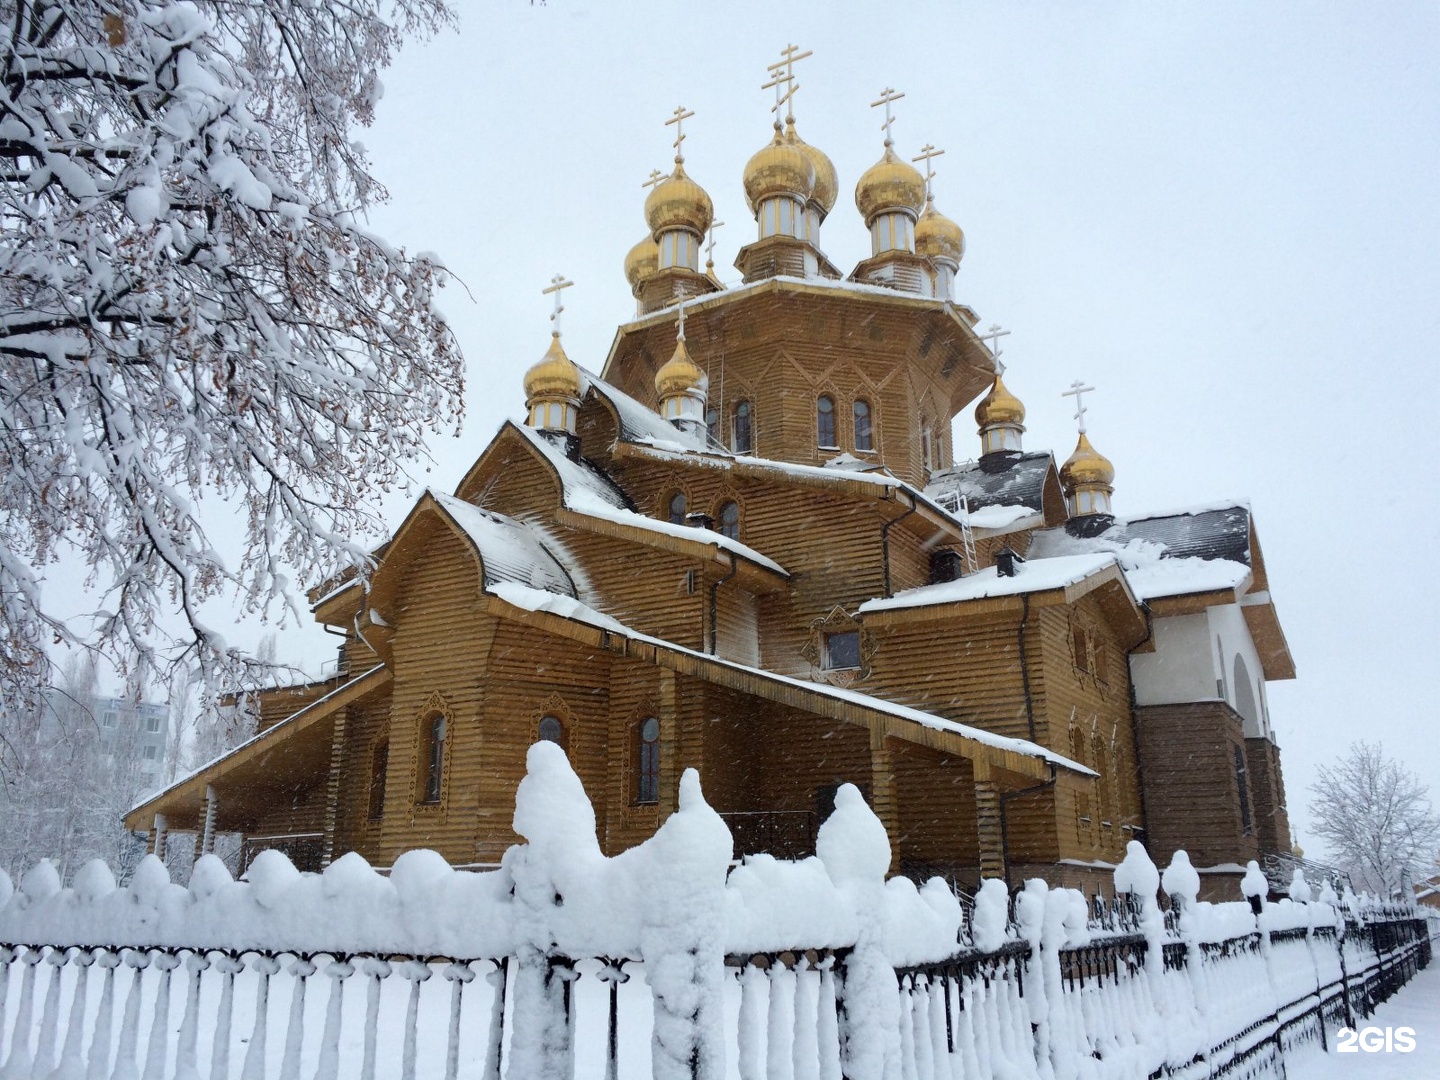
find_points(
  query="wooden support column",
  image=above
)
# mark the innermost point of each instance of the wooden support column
(989, 828)
(158, 836)
(207, 836)
(670, 744)
(882, 792)
(332, 789)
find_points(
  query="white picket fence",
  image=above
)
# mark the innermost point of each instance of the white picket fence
(661, 962)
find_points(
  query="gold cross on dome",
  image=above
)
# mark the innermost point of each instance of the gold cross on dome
(678, 118)
(655, 177)
(710, 244)
(992, 338)
(887, 96)
(1077, 389)
(557, 285)
(792, 55)
(787, 81)
(928, 154)
(680, 323)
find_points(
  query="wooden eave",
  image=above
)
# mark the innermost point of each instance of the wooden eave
(1025, 768)
(1268, 636)
(753, 576)
(935, 333)
(1164, 607)
(262, 764)
(1125, 614)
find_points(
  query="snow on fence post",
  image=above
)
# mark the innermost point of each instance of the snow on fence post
(855, 849)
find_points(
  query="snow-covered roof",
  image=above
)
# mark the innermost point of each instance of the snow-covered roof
(597, 509)
(640, 424)
(718, 459)
(509, 549)
(535, 600)
(1202, 549)
(998, 481)
(580, 481)
(1030, 577)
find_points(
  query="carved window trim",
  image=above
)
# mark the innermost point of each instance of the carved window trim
(435, 706)
(838, 621)
(555, 706)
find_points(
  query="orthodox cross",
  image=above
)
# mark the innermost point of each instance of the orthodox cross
(887, 96)
(928, 154)
(992, 338)
(678, 118)
(557, 284)
(792, 55)
(655, 177)
(710, 244)
(1078, 388)
(787, 81)
(680, 323)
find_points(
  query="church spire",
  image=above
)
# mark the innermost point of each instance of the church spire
(1000, 415)
(552, 386)
(937, 238)
(681, 385)
(679, 212)
(1087, 477)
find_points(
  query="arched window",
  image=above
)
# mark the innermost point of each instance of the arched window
(676, 508)
(730, 520)
(712, 424)
(647, 760)
(434, 759)
(864, 439)
(743, 441)
(825, 422)
(550, 729)
(379, 762)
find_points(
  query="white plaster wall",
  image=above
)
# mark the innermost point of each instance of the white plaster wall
(1182, 667)
(1229, 629)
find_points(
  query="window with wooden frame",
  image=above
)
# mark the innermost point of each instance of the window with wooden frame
(712, 424)
(864, 435)
(728, 519)
(551, 729)
(675, 508)
(647, 761)
(379, 764)
(744, 432)
(433, 733)
(825, 423)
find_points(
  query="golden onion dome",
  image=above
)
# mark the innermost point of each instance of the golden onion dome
(677, 202)
(1086, 467)
(642, 261)
(679, 374)
(999, 407)
(937, 237)
(780, 167)
(889, 184)
(827, 181)
(555, 376)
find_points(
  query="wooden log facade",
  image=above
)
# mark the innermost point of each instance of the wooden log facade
(789, 587)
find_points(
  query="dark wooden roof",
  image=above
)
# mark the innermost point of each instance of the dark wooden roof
(994, 480)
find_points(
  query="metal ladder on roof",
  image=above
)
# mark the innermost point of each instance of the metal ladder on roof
(967, 537)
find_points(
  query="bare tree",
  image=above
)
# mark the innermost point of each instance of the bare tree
(193, 316)
(1375, 815)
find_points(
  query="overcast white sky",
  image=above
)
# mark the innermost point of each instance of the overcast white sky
(1224, 215)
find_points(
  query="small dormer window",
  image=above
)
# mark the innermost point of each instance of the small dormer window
(842, 650)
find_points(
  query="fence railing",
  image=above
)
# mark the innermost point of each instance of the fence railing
(664, 962)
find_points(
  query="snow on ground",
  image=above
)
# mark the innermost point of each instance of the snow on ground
(1416, 1006)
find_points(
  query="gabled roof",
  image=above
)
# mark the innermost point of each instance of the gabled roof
(571, 618)
(581, 482)
(510, 550)
(997, 481)
(640, 424)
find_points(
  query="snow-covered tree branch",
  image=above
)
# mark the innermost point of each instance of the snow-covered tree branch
(1375, 815)
(191, 312)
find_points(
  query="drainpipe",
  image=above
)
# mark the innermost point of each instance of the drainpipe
(1135, 723)
(1025, 666)
(1005, 797)
(885, 528)
(715, 604)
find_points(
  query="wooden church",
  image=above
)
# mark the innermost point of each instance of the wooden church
(748, 546)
